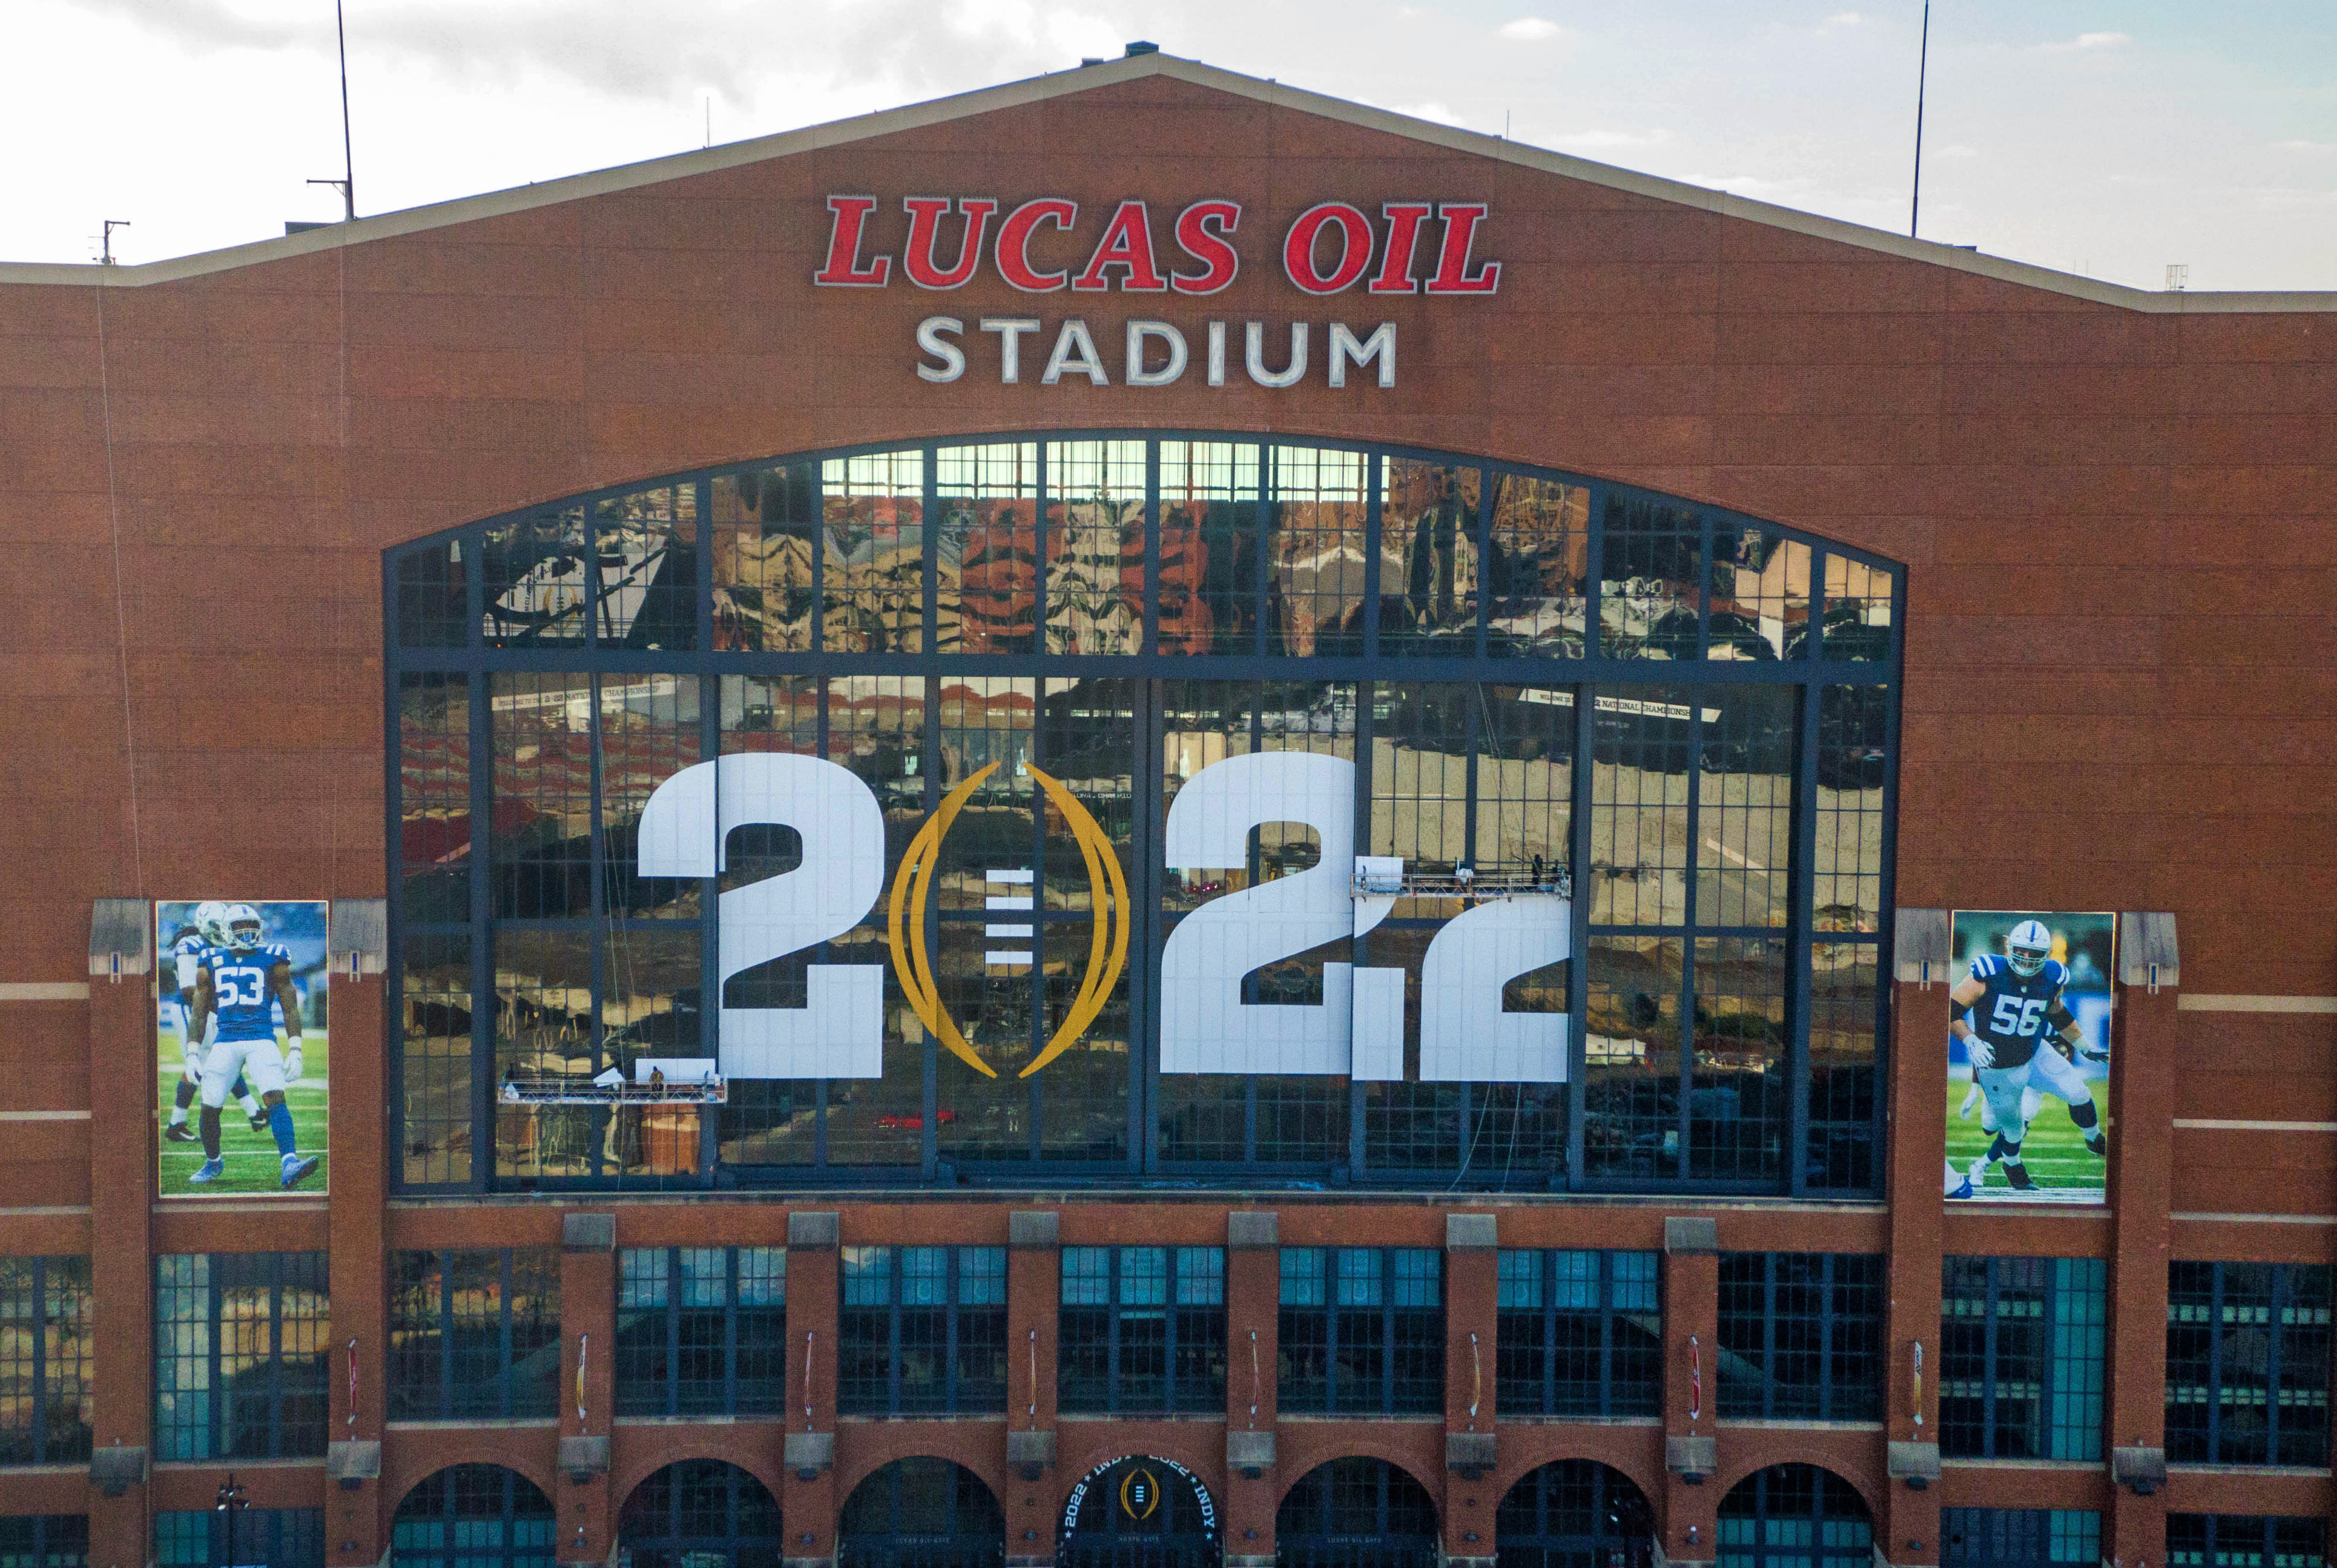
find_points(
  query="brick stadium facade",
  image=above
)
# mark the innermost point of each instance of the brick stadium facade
(210, 461)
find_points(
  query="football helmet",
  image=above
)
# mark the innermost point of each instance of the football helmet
(211, 922)
(2028, 945)
(245, 929)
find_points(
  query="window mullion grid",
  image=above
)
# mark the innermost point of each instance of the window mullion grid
(275, 1356)
(1112, 1327)
(41, 1326)
(1604, 1308)
(950, 1298)
(730, 1331)
(1578, 850)
(1385, 1257)
(1769, 1333)
(1802, 880)
(506, 1370)
(482, 956)
(1168, 1339)
(1374, 479)
(2215, 1364)
(445, 1306)
(1686, 1170)
(1992, 1306)
(2275, 1329)
(598, 905)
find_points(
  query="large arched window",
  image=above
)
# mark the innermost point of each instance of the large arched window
(700, 1514)
(1637, 752)
(1795, 1516)
(1357, 1512)
(921, 1512)
(473, 1516)
(1575, 1514)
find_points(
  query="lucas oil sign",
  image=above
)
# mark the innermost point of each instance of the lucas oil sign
(1414, 248)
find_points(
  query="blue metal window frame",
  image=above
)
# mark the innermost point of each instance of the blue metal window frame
(1810, 671)
(649, 1380)
(279, 1537)
(1528, 1318)
(48, 1439)
(645, 1531)
(1390, 1273)
(2019, 1538)
(956, 1397)
(423, 1377)
(212, 1434)
(44, 1541)
(1315, 1527)
(1098, 1325)
(2295, 1411)
(435, 1529)
(975, 1536)
(1531, 1526)
(1765, 1520)
(2071, 1384)
(1755, 1328)
(2246, 1541)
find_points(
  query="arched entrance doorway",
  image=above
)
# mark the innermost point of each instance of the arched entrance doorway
(473, 1516)
(700, 1513)
(1357, 1512)
(1575, 1514)
(922, 1513)
(1795, 1516)
(1140, 1511)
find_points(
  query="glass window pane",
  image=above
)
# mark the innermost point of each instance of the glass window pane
(1095, 546)
(1315, 514)
(434, 1072)
(988, 562)
(541, 844)
(1760, 593)
(1431, 578)
(433, 793)
(1209, 577)
(535, 569)
(873, 550)
(1539, 558)
(765, 528)
(645, 547)
(648, 733)
(1651, 580)
(1857, 610)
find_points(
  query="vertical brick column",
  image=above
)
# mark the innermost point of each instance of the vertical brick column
(807, 1500)
(1253, 1334)
(122, 1143)
(588, 1336)
(1472, 1308)
(1035, 1293)
(357, 1173)
(2142, 1153)
(1688, 1507)
(1907, 1530)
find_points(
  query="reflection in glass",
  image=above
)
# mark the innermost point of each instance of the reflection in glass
(1853, 732)
(432, 597)
(1315, 514)
(1845, 994)
(543, 1031)
(988, 560)
(645, 551)
(1421, 735)
(1537, 558)
(535, 569)
(434, 796)
(1641, 737)
(765, 528)
(648, 1009)
(1650, 580)
(1525, 782)
(1631, 1058)
(1738, 1097)
(985, 947)
(434, 1059)
(540, 842)
(1095, 546)
(1745, 818)
(1857, 610)
(1760, 593)
(873, 552)
(1430, 574)
(648, 733)
(1208, 547)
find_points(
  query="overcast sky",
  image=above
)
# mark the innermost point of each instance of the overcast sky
(2106, 137)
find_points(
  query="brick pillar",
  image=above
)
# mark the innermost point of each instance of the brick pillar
(2142, 1152)
(357, 1173)
(1907, 1528)
(1688, 1509)
(1253, 1332)
(807, 1499)
(122, 1143)
(1471, 1307)
(588, 1342)
(1035, 1293)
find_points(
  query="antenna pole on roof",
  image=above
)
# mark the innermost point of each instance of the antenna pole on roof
(348, 160)
(1922, 69)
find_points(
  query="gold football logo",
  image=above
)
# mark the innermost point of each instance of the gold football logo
(1107, 940)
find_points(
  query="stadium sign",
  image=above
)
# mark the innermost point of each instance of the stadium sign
(1329, 248)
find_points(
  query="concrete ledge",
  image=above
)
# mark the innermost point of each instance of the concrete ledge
(114, 1471)
(582, 1458)
(1921, 949)
(813, 1228)
(1691, 1236)
(120, 934)
(1034, 1228)
(1251, 1453)
(348, 1462)
(2144, 1469)
(1695, 1455)
(588, 1232)
(1469, 1454)
(1253, 1231)
(811, 1452)
(1472, 1232)
(1029, 1453)
(2147, 955)
(1913, 1462)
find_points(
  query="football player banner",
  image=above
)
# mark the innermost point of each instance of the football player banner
(2029, 1057)
(240, 1046)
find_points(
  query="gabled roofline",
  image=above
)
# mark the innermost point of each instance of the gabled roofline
(1039, 89)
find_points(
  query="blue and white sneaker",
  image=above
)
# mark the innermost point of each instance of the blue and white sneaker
(213, 1169)
(295, 1167)
(1963, 1190)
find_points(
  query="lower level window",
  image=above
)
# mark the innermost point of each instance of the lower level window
(2019, 1538)
(44, 1541)
(1361, 1331)
(1143, 1330)
(240, 1347)
(2245, 1540)
(216, 1538)
(702, 1331)
(1582, 1334)
(923, 1331)
(2247, 1363)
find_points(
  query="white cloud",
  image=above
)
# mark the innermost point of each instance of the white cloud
(1842, 19)
(1530, 30)
(1957, 150)
(2305, 146)
(2087, 42)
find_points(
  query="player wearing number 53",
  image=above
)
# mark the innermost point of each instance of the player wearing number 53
(238, 981)
(2013, 1022)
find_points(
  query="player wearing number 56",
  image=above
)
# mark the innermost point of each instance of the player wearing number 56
(2020, 1037)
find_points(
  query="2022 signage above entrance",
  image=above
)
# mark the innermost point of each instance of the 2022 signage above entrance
(1328, 250)
(1129, 802)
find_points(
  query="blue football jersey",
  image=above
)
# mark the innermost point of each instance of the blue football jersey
(186, 956)
(2011, 1013)
(240, 991)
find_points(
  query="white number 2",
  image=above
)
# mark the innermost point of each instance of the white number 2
(2017, 1018)
(685, 829)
